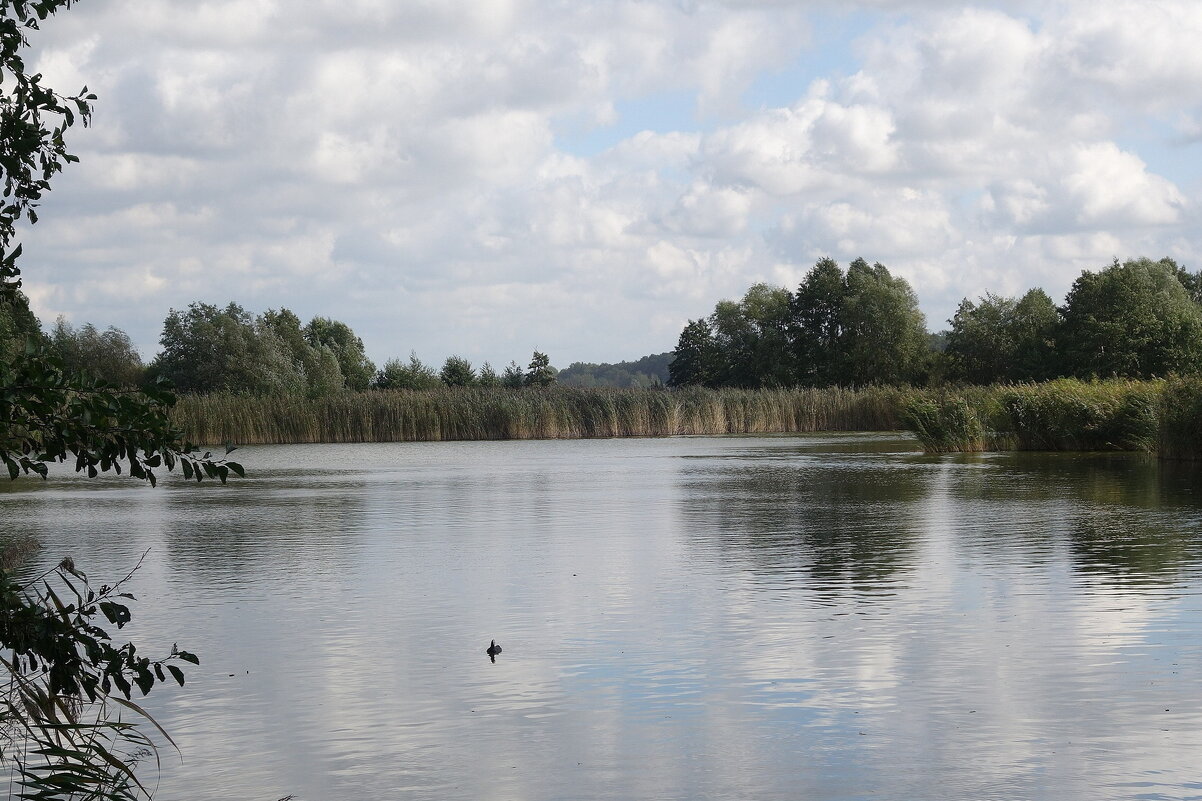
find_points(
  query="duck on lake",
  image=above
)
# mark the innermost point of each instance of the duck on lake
(492, 650)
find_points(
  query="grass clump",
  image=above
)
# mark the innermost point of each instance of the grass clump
(947, 423)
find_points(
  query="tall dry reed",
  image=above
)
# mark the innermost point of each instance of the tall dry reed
(552, 413)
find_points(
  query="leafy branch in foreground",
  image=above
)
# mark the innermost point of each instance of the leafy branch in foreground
(48, 414)
(33, 119)
(68, 725)
(67, 716)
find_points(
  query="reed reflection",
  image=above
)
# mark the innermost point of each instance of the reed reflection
(290, 523)
(1126, 518)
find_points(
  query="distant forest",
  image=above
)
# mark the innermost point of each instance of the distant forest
(855, 327)
(649, 371)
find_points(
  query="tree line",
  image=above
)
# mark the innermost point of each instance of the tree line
(1135, 319)
(206, 348)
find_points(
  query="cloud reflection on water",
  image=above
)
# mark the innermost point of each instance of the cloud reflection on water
(823, 617)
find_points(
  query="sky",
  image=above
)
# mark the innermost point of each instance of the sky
(581, 177)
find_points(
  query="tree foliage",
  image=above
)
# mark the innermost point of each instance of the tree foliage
(109, 354)
(858, 328)
(414, 374)
(488, 376)
(315, 366)
(206, 349)
(33, 120)
(884, 337)
(751, 337)
(17, 324)
(513, 377)
(697, 359)
(816, 325)
(1133, 320)
(1138, 319)
(457, 372)
(357, 370)
(1003, 339)
(50, 415)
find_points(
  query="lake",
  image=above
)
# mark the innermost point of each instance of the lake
(817, 617)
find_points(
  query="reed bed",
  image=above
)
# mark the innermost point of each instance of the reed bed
(1066, 415)
(1181, 419)
(1060, 415)
(552, 413)
(1072, 415)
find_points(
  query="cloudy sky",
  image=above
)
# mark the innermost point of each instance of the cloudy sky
(487, 177)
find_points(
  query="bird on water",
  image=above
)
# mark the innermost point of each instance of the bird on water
(492, 650)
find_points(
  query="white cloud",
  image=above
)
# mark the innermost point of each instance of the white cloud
(1015, 203)
(1112, 188)
(396, 165)
(709, 211)
(898, 223)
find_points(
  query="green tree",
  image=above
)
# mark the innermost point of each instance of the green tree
(816, 324)
(414, 374)
(766, 308)
(696, 360)
(206, 349)
(884, 336)
(649, 371)
(1003, 339)
(60, 734)
(980, 345)
(1134, 319)
(109, 354)
(457, 372)
(316, 365)
(513, 377)
(540, 373)
(488, 376)
(752, 337)
(357, 370)
(1191, 281)
(1036, 323)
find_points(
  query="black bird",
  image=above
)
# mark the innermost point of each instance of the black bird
(492, 650)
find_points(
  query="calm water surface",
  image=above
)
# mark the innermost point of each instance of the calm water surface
(823, 617)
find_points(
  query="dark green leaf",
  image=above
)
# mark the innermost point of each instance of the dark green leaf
(177, 674)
